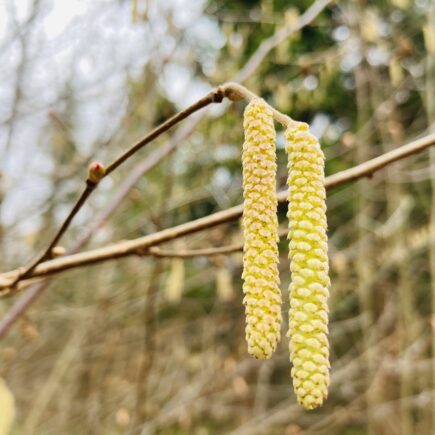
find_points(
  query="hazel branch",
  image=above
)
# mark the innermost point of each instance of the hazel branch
(48, 253)
(191, 253)
(142, 245)
(232, 91)
(206, 252)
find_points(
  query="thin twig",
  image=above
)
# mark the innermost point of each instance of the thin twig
(214, 96)
(232, 91)
(47, 254)
(141, 245)
(131, 178)
(190, 253)
(206, 252)
(369, 167)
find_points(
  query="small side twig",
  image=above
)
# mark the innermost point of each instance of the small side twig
(214, 96)
(48, 253)
(190, 253)
(232, 91)
(205, 252)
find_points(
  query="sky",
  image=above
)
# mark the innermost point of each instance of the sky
(89, 50)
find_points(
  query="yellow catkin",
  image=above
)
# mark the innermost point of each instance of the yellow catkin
(308, 316)
(260, 227)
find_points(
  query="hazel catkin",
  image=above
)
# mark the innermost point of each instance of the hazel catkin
(309, 288)
(260, 227)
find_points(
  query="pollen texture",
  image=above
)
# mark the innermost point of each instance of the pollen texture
(260, 227)
(308, 316)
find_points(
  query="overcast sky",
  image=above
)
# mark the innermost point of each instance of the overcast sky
(89, 50)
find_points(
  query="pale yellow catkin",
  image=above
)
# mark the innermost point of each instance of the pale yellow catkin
(260, 227)
(309, 288)
(7, 409)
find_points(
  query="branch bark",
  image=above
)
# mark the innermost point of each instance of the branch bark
(142, 245)
(232, 91)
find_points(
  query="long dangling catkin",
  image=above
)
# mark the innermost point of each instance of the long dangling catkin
(308, 316)
(260, 227)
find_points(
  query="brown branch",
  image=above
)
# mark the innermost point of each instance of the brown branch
(214, 96)
(48, 253)
(128, 182)
(141, 245)
(232, 91)
(205, 252)
(190, 253)
(366, 169)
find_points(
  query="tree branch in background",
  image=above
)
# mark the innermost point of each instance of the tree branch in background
(281, 35)
(21, 306)
(48, 253)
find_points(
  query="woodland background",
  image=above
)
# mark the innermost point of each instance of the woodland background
(156, 345)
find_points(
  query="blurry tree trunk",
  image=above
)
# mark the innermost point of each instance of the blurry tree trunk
(390, 131)
(23, 32)
(406, 317)
(430, 103)
(365, 264)
(143, 405)
(365, 267)
(54, 381)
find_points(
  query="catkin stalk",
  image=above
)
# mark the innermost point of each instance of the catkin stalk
(260, 227)
(308, 316)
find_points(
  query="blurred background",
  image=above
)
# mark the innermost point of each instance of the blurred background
(156, 346)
